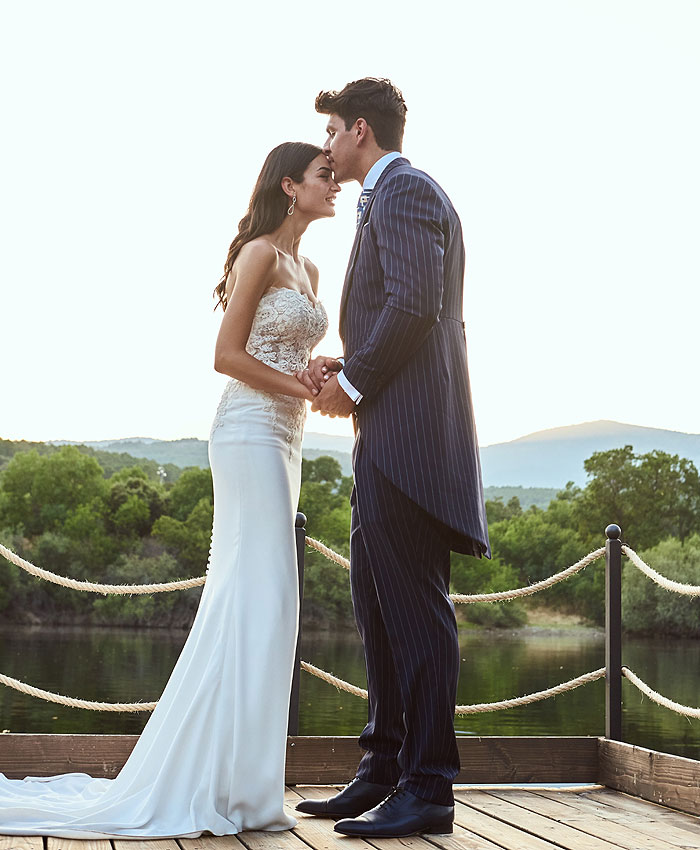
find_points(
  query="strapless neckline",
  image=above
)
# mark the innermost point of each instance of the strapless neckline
(273, 290)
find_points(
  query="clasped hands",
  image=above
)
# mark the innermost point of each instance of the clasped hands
(322, 382)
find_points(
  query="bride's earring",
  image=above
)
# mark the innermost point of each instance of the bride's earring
(290, 211)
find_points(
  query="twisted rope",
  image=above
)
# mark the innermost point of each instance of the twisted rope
(477, 708)
(685, 710)
(662, 581)
(531, 588)
(92, 587)
(333, 680)
(340, 684)
(500, 596)
(329, 553)
(71, 702)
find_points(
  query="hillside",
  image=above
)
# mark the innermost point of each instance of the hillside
(551, 458)
(545, 459)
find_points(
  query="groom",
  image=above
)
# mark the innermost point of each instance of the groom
(418, 491)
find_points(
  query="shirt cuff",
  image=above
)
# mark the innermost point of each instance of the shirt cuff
(354, 394)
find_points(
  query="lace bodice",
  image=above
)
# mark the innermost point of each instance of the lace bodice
(285, 329)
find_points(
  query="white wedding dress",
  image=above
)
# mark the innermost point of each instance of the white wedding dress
(211, 757)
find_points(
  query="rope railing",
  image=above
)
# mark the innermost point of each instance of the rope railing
(326, 551)
(656, 697)
(503, 595)
(127, 589)
(657, 578)
(340, 684)
(72, 702)
(668, 584)
(476, 708)
(93, 587)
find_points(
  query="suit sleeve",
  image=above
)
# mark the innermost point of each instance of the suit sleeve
(410, 241)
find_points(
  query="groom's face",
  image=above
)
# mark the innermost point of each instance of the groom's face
(341, 149)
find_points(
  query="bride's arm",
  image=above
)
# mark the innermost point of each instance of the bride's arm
(255, 266)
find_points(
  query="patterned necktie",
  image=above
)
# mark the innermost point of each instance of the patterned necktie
(362, 203)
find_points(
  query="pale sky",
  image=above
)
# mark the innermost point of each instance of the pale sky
(566, 133)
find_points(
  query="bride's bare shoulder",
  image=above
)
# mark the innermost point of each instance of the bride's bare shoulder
(258, 252)
(256, 263)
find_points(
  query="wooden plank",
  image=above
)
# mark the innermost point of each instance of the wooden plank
(645, 822)
(661, 778)
(589, 822)
(47, 755)
(211, 842)
(316, 760)
(21, 842)
(543, 827)
(77, 844)
(327, 761)
(527, 759)
(502, 834)
(284, 840)
(639, 808)
(145, 844)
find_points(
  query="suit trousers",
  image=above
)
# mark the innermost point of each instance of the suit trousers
(399, 575)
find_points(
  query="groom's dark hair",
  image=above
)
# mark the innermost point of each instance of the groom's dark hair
(376, 100)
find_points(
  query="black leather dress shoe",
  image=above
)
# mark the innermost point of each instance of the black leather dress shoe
(353, 800)
(401, 814)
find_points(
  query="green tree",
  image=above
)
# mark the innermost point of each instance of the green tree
(134, 503)
(651, 496)
(481, 575)
(325, 501)
(193, 485)
(497, 511)
(648, 608)
(39, 491)
(188, 541)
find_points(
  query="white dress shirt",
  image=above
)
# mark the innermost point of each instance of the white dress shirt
(369, 183)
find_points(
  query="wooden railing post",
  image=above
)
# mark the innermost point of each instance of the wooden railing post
(613, 633)
(300, 534)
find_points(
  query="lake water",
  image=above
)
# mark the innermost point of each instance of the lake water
(125, 665)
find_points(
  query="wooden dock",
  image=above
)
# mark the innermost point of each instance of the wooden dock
(592, 818)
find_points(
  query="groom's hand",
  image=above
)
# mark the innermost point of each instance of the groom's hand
(333, 400)
(318, 372)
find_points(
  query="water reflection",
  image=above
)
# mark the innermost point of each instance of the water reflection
(121, 665)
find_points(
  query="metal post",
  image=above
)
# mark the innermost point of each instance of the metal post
(300, 533)
(613, 633)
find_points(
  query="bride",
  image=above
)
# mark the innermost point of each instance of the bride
(211, 757)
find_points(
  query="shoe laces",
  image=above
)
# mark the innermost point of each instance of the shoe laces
(393, 795)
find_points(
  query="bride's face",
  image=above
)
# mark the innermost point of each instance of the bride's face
(316, 195)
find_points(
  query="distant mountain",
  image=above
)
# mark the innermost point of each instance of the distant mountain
(551, 458)
(323, 442)
(527, 496)
(545, 459)
(188, 451)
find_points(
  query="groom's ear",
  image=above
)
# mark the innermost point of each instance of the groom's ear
(287, 186)
(361, 130)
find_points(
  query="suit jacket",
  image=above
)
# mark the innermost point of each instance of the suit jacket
(405, 351)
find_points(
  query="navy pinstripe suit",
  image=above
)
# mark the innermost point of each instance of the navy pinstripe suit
(418, 491)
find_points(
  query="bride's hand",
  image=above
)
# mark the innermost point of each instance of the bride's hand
(318, 372)
(306, 393)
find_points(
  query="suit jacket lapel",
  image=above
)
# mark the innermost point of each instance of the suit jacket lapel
(358, 234)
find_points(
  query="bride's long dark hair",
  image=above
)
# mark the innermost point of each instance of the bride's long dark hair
(268, 203)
